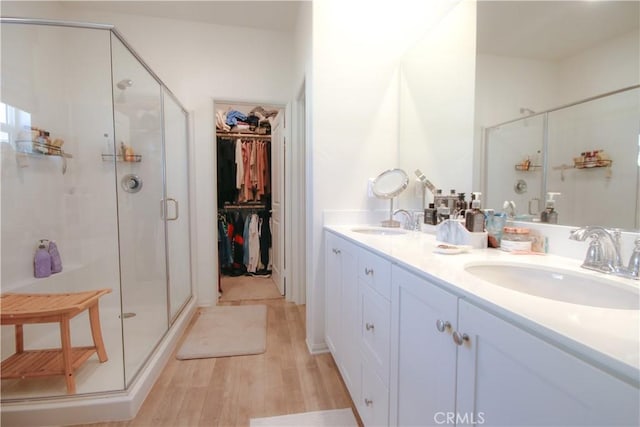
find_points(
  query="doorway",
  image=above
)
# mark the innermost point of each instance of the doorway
(250, 145)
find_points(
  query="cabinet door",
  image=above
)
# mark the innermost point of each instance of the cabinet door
(423, 359)
(507, 376)
(341, 323)
(333, 289)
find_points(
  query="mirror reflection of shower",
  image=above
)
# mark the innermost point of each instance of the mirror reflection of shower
(123, 85)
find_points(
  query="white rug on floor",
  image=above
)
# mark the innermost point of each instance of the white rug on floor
(226, 331)
(332, 418)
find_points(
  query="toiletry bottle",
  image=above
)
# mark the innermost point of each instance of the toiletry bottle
(474, 219)
(56, 261)
(461, 204)
(42, 261)
(431, 215)
(549, 214)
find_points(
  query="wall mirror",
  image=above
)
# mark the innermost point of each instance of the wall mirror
(506, 62)
(549, 87)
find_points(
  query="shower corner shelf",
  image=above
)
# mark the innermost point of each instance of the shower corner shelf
(135, 158)
(527, 168)
(35, 148)
(593, 164)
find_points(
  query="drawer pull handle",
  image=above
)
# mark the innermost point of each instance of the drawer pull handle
(336, 251)
(368, 402)
(459, 338)
(368, 271)
(442, 325)
(369, 326)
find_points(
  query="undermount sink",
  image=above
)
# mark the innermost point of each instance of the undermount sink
(379, 231)
(558, 284)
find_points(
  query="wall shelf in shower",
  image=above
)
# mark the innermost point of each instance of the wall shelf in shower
(40, 149)
(134, 158)
(527, 168)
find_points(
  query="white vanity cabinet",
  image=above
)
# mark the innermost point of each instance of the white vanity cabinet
(455, 363)
(358, 314)
(423, 356)
(415, 350)
(507, 376)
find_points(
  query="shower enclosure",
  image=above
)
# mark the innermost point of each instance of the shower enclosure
(94, 158)
(589, 151)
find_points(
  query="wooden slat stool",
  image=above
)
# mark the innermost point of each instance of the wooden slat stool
(19, 309)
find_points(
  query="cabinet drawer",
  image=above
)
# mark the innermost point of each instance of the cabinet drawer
(376, 272)
(375, 323)
(374, 403)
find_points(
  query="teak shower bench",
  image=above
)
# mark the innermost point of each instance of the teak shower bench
(19, 309)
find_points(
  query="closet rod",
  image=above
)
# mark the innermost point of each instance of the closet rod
(243, 207)
(242, 135)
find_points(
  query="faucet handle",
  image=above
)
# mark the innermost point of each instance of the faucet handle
(634, 261)
(595, 254)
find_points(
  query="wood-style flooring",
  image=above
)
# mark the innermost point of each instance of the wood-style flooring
(229, 391)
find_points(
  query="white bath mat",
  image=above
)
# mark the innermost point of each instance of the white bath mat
(226, 331)
(332, 418)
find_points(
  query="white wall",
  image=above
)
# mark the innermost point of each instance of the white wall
(357, 47)
(436, 106)
(199, 62)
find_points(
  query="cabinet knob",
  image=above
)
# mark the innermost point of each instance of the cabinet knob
(369, 326)
(459, 338)
(368, 402)
(442, 325)
(336, 251)
(368, 271)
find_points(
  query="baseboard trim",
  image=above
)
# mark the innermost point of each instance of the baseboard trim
(316, 348)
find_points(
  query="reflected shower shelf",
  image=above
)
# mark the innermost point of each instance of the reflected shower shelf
(134, 158)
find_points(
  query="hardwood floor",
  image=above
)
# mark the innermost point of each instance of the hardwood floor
(229, 391)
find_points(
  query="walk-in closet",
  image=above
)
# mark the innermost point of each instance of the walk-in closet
(248, 140)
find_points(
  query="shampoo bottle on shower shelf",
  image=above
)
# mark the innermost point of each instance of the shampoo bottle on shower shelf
(56, 261)
(42, 261)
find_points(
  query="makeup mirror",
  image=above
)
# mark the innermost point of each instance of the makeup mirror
(388, 185)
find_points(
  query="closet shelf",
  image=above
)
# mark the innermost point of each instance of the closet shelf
(242, 134)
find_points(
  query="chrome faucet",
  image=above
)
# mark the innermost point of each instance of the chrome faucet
(410, 224)
(604, 253)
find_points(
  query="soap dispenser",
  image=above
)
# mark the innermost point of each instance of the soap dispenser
(474, 219)
(549, 214)
(42, 261)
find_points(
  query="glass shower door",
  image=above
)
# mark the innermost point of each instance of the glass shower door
(140, 184)
(177, 204)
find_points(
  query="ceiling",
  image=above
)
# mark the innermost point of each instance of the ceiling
(550, 30)
(265, 15)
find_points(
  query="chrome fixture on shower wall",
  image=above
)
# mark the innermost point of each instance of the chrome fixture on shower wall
(126, 83)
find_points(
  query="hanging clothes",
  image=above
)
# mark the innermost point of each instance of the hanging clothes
(265, 238)
(227, 191)
(254, 245)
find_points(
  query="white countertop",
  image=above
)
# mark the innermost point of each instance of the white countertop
(606, 337)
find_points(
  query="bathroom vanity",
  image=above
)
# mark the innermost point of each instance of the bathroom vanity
(423, 338)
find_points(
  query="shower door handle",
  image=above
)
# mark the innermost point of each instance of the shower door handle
(164, 209)
(175, 202)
